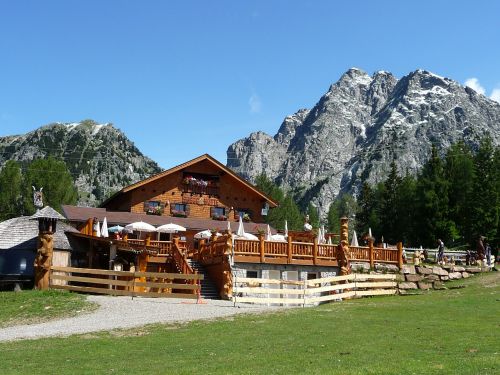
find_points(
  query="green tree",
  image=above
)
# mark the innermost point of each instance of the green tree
(366, 216)
(287, 208)
(53, 176)
(460, 172)
(484, 209)
(432, 197)
(406, 206)
(312, 212)
(389, 212)
(343, 206)
(10, 191)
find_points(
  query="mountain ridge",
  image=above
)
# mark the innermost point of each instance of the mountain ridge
(100, 157)
(359, 126)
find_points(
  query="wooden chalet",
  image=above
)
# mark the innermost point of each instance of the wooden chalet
(204, 194)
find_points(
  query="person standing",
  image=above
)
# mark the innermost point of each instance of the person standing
(480, 248)
(440, 254)
(487, 250)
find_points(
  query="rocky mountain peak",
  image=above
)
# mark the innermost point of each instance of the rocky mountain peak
(99, 156)
(359, 126)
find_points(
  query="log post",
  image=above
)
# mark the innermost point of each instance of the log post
(315, 250)
(147, 241)
(400, 255)
(261, 248)
(289, 249)
(343, 259)
(372, 255)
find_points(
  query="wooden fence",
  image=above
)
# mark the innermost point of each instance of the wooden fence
(307, 292)
(125, 283)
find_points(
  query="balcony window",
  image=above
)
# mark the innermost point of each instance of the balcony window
(244, 213)
(218, 213)
(154, 207)
(196, 183)
(179, 209)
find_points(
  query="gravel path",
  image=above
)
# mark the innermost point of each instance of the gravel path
(123, 312)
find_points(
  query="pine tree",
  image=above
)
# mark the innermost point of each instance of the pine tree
(53, 176)
(406, 206)
(432, 197)
(459, 172)
(484, 210)
(389, 213)
(10, 191)
(287, 208)
(312, 212)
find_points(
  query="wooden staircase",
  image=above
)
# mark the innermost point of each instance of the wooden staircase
(208, 288)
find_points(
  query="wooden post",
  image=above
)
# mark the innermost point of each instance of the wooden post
(372, 255)
(43, 260)
(261, 247)
(315, 250)
(289, 249)
(147, 242)
(400, 255)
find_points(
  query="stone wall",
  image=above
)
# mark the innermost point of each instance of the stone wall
(433, 276)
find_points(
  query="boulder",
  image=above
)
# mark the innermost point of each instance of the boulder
(444, 278)
(455, 275)
(391, 268)
(407, 269)
(360, 267)
(432, 277)
(473, 269)
(439, 271)
(424, 285)
(424, 270)
(438, 285)
(466, 275)
(457, 269)
(408, 285)
(413, 278)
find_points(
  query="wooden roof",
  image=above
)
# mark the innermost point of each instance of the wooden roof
(82, 214)
(22, 233)
(204, 157)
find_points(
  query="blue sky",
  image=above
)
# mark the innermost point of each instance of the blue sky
(183, 78)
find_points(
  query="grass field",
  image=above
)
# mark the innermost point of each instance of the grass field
(32, 306)
(454, 331)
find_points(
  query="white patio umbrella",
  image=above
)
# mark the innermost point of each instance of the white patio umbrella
(323, 233)
(140, 226)
(268, 233)
(248, 236)
(278, 238)
(354, 240)
(241, 229)
(229, 226)
(97, 229)
(205, 234)
(370, 232)
(104, 228)
(286, 228)
(330, 240)
(170, 228)
(116, 228)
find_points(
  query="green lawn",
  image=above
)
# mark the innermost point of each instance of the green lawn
(441, 332)
(31, 306)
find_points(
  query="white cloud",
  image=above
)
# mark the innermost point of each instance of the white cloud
(255, 103)
(474, 84)
(495, 95)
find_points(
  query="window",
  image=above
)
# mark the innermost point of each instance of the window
(179, 209)
(154, 207)
(197, 183)
(252, 274)
(218, 213)
(244, 213)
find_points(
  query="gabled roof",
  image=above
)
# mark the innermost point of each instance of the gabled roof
(22, 233)
(204, 157)
(47, 213)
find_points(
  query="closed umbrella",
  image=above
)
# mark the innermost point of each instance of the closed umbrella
(228, 226)
(241, 229)
(97, 229)
(268, 233)
(286, 228)
(104, 228)
(170, 228)
(354, 241)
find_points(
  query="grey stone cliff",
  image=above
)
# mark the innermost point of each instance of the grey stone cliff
(358, 127)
